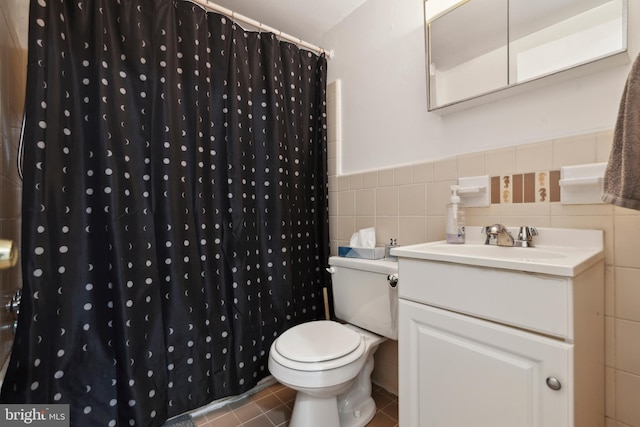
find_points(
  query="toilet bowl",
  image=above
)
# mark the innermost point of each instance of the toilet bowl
(329, 363)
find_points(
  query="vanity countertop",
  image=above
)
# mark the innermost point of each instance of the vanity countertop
(557, 251)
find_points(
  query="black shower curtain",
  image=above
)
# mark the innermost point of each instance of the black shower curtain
(175, 213)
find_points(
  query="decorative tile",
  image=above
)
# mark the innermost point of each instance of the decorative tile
(518, 188)
(506, 188)
(542, 186)
(495, 190)
(554, 186)
(530, 187)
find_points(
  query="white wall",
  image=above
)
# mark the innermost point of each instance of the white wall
(380, 58)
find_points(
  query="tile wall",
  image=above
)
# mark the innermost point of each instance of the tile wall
(408, 203)
(13, 62)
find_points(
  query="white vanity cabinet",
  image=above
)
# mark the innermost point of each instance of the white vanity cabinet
(463, 371)
(493, 347)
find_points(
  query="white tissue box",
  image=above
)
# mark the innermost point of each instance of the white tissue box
(366, 253)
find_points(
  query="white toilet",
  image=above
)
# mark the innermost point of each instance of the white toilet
(328, 363)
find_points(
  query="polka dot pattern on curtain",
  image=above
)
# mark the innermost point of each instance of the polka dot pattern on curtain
(175, 215)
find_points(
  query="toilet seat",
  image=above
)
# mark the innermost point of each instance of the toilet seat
(317, 346)
(308, 342)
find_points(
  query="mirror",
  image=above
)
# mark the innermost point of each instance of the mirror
(481, 47)
(467, 55)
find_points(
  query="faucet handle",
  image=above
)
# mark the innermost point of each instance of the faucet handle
(493, 229)
(526, 232)
(492, 232)
(525, 236)
(485, 231)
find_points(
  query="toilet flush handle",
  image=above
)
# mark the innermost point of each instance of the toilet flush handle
(331, 270)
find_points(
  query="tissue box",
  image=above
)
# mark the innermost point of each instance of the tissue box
(367, 253)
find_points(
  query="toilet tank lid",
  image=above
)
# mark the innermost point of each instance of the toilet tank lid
(374, 265)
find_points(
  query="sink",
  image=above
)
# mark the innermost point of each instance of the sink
(491, 251)
(564, 252)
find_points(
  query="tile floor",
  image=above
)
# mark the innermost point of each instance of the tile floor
(272, 407)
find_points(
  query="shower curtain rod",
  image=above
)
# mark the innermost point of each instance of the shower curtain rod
(207, 5)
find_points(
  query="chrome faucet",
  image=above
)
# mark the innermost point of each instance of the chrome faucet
(525, 237)
(499, 233)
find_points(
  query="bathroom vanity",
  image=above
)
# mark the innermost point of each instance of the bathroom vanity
(503, 336)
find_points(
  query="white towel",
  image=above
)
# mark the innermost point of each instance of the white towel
(622, 176)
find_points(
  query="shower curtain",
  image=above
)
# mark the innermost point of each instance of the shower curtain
(175, 216)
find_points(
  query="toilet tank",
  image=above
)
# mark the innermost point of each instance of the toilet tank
(363, 295)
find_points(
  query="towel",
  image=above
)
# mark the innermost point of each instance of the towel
(622, 176)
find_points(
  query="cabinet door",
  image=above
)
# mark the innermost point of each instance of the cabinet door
(459, 371)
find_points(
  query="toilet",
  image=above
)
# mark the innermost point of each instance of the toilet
(329, 363)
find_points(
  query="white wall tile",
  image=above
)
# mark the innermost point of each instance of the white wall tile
(628, 346)
(627, 393)
(411, 221)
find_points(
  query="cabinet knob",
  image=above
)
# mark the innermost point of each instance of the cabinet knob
(554, 383)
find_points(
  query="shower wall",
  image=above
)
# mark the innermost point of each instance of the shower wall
(13, 76)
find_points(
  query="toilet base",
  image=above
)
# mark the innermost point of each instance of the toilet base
(311, 411)
(356, 406)
(353, 408)
(360, 417)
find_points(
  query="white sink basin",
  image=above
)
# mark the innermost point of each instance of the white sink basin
(564, 252)
(500, 252)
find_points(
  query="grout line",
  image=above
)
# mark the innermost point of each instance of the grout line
(277, 401)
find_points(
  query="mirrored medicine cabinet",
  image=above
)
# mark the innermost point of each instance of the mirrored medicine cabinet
(482, 50)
